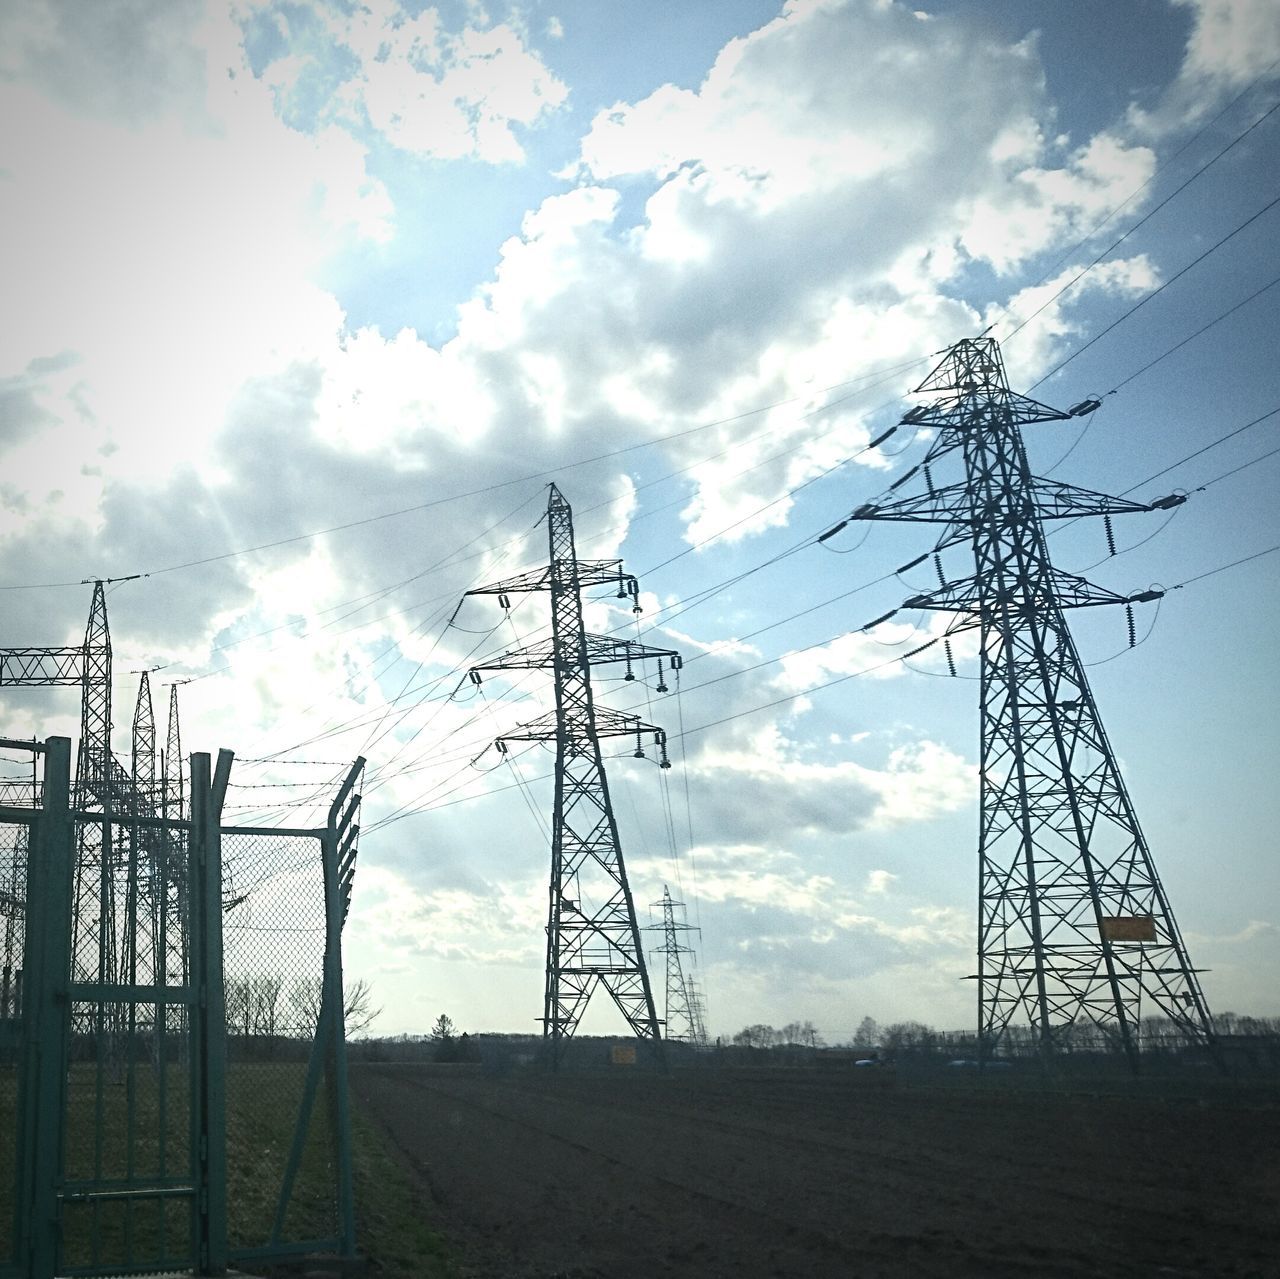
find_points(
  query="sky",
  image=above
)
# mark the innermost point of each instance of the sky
(307, 302)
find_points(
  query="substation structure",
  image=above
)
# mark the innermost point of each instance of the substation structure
(593, 938)
(683, 1008)
(172, 1053)
(1074, 927)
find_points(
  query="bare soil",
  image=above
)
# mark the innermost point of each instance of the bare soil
(762, 1173)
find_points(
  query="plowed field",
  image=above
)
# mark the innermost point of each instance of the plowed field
(754, 1173)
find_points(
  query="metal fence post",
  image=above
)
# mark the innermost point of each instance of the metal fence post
(46, 1011)
(336, 1049)
(209, 1023)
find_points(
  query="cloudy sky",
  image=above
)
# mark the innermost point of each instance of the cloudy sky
(307, 302)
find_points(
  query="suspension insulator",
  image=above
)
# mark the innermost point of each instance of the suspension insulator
(1133, 632)
(928, 480)
(1110, 532)
(630, 675)
(622, 588)
(937, 564)
(662, 684)
(951, 660)
(640, 748)
(660, 741)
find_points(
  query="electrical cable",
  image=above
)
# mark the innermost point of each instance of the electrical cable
(1213, 248)
(1240, 137)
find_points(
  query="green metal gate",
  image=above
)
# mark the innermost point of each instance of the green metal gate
(148, 1133)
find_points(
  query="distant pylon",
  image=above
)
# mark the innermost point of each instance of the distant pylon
(94, 947)
(143, 894)
(593, 938)
(683, 1010)
(1074, 926)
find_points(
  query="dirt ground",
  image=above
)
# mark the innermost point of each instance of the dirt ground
(760, 1173)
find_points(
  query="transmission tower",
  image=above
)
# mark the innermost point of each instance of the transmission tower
(172, 934)
(683, 1008)
(1074, 925)
(592, 935)
(142, 897)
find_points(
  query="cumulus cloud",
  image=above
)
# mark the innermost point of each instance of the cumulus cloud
(424, 88)
(1231, 43)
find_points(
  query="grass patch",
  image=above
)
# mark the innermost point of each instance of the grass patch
(393, 1210)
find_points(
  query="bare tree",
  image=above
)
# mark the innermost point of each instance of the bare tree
(358, 1012)
(868, 1033)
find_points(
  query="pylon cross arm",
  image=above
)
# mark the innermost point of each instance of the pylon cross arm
(41, 667)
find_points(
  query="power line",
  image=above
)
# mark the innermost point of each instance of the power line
(1062, 364)
(1240, 137)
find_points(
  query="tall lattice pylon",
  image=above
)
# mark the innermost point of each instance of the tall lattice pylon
(95, 946)
(682, 1004)
(139, 960)
(1074, 925)
(172, 935)
(592, 935)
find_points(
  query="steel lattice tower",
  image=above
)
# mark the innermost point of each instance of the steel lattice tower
(172, 936)
(592, 935)
(1074, 925)
(142, 890)
(683, 1006)
(94, 944)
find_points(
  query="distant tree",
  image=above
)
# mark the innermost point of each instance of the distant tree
(809, 1035)
(757, 1036)
(868, 1033)
(358, 1012)
(910, 1037)
(446, 1047)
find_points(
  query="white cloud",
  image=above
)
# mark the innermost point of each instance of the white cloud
(428, 90)
(878, 881)
(1231, 43)
(1231, 40)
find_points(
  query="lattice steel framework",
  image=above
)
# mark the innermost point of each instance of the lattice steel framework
(682, 1004)
(172, 934)
(592, 935)
(139, 960)
(117, 922)
(87, 666)
(1074, 924)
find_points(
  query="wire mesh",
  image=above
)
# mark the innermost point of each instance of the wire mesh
(14, 837)
(128, 1174)
(279, 1130)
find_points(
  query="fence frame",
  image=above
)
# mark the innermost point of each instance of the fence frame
(44, 1036)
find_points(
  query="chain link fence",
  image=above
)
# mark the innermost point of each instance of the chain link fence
(280, 1124)
(14, 842)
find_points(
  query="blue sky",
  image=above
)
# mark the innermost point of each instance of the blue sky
(278, 268)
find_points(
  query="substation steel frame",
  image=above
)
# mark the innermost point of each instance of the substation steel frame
(1074, 923)
(589, 943)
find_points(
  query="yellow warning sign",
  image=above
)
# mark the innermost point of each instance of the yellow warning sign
(1129, 927)
(623, 1055)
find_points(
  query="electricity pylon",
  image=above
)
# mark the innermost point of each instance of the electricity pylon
(172, 936)
(683, 1009)
(592, 935)
(142, 890)
(1074, 925)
